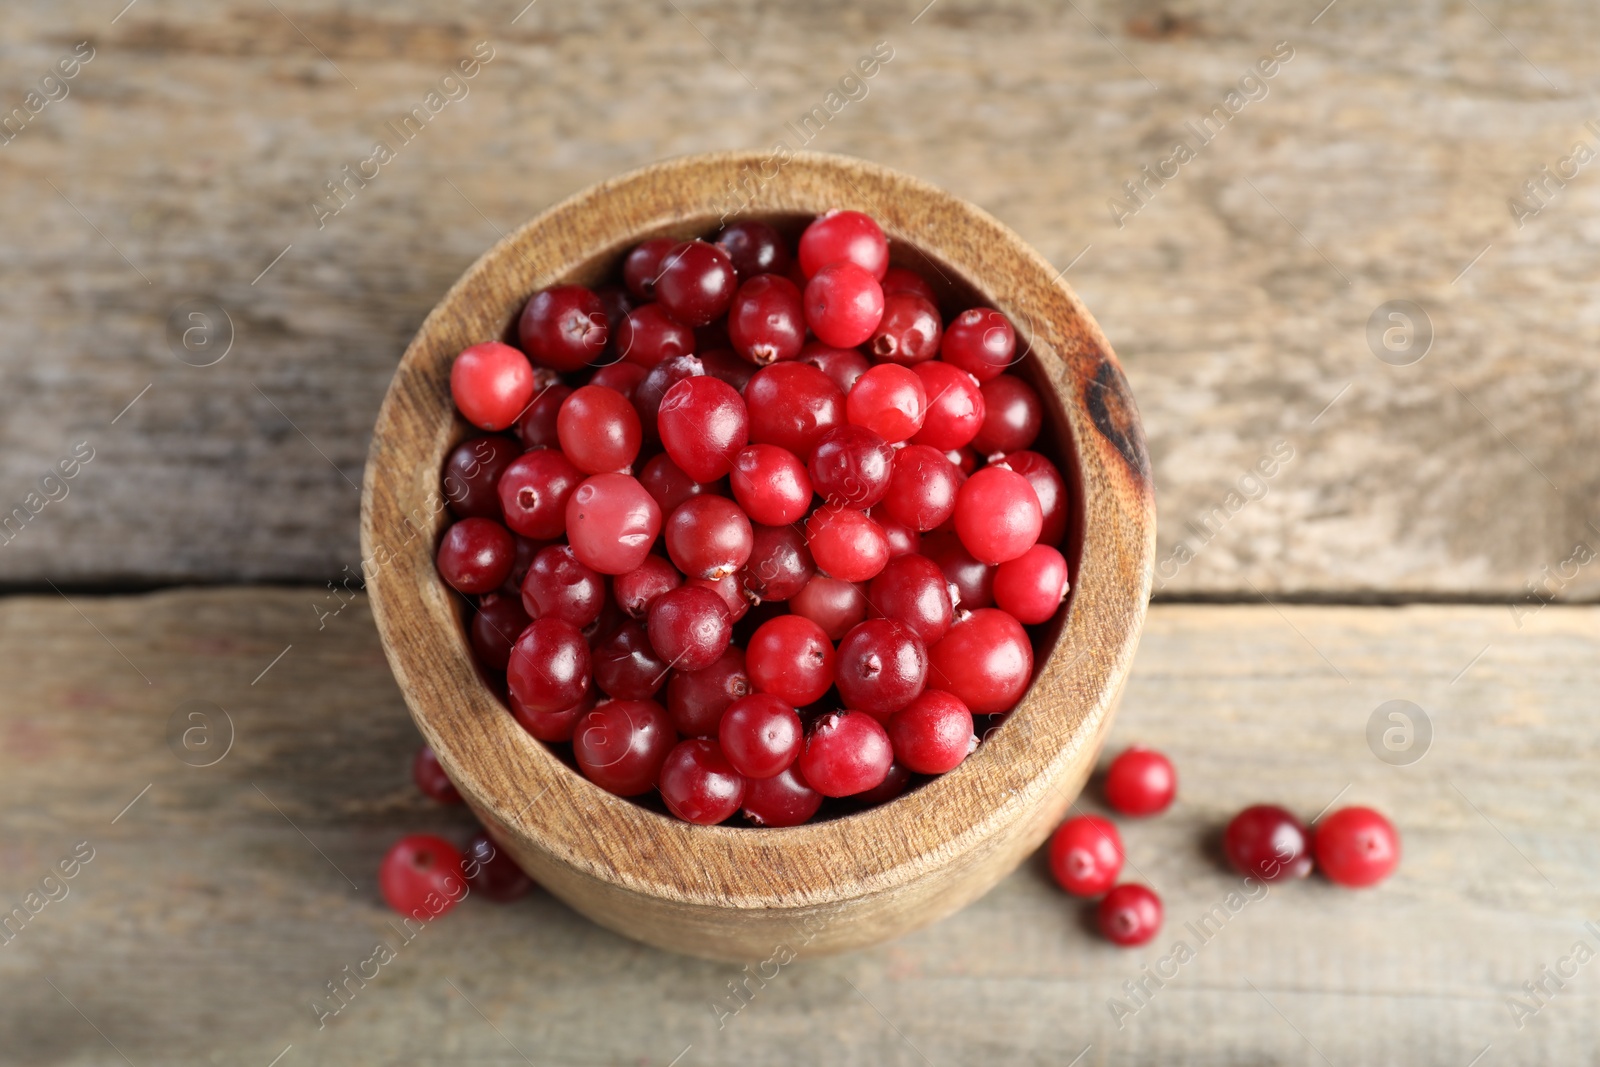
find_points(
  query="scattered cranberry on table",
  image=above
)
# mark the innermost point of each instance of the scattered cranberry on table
(1356, 847)
(421, 876)
(431, 779)
(1086, 855)
(1129, 914)
(1140, 781)
(1269, 843)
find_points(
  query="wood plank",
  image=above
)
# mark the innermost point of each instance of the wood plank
(1378, 167)
(216, 907)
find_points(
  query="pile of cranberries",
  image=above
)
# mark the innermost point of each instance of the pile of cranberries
(1353, 847)
(757, 530)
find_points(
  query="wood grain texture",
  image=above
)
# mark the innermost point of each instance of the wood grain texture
(214, 910)
(726, 892)
(1377, 167)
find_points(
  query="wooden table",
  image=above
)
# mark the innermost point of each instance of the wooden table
(1406, 551)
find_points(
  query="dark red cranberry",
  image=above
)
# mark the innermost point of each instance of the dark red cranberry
(903, 540)
(534, 490)
(620, 377)
(1269, 843)
(912, 590)
(558, 586)
(754, 248)
(689, 627)
(626, 666)
(536, 426)
(1012, 416)
(1129, 915)
(973, 580)
(909, 332)
(599, 430)
(851, 236)
(431, 779)
(708, 537)
(643, 266)
(698, 783)
(922, 488)
(1356, 847)
(894, 784)
(491, 871)
(780, 564)
(549, 667)
(703, 424)
(696, 283)
(851, 465)
(471, 472)
(1049, 487)
(955, 406)
(1086, 855)
(880, 667)
(553, 726)
(731, 589)
(901, 280)
(611, 523)
(1140, 781)
(696, 700)
(617, 302)
(767, 321)
(760, 734)
(782, 800)
(564, 328)
(491, 383)
(843, 304)
(496, 625)
(833, 604)
(792, 405)
(846, 752)
(636, 590)
(421, 876)
(662, 377)
(790, 657)
(725, 365)
(649, 335)
(997, 515)
(1032, 586)
(985, 659)
(980, 342)
(842, 365)
(933, 733)
(476, 555)
(667, 485)
(621, 744)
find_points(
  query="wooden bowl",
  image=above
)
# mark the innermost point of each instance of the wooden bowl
(738, 893)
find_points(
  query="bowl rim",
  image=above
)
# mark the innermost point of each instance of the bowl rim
(526, 789)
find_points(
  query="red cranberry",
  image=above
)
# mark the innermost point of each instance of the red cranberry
(903, 540)
(527, 548)
(476, 555)
(1032, 586)
(894, 784)
(689, 627)
(760, 734)
(985, 659)
(933, 733)
(1012, 416)
(623, 378)
(667, 485)
(913, 590)
(1140, 781)
(973, 581)
(617, 302)
(842, 365)
(980, 342)
(558, 586)
(792, 405)
(767, 321)
(731, 589)
(790, 657)
(780, 564)
(844, 235)
(696, 283)
(636, 590)
(754, 248)
(621, 744)
(698, 783)
(643, 266)
(922, 487)
(1129, 915)
(491, 383)
(421, 876)
(564, 328)
(626, 666)
(847, 543)
(708, 537)
(696, 700)
(431, 779)
(955, 406)
(846, 752)
(536, 426)
(1049, 487)
(782, 800)
(965, 459)
(909, 332)
(471, 472)
(599, 430)
(997, 515)
(1086, 855)
(498, 622)
(611, 523)
(657, 380)
(534, 491)
(553, 726)
(901, 280)
(703, 424)
(771, 484)
(1267, 842)
(649, 335)
(851, 466)
(843, 304)
(889, 401)
(492, 872)
(549, 667)
(833, 604)
(880, 667)
(1356, 847)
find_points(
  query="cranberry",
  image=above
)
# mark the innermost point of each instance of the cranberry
(760, 734)
(790, 657)
(782, 800)
(1086, 855)
(955, 406)
(754, 248)
(470, 473)
(1129, 915)
(997, 515)
(636, 590)
(981, 342)
(1356, 847)
(536, 426)
(901, 280)
(1049, 487)
(617, 302)
(476, 555)
(725, 365)
(599, 430)
(965, 459)
(767, 320)
(558, 586)
(973, 581)
(491, 383)
(696, 283)
(846, 752)
(730, 589)
(667, 485)
(621, 744)
(534, 491)
(491, 871)
(626, 666)
(431, 779)
(889, 401)
(792, 405)
(834, 605)
(843, 304)
(689, 627)
(880, 667)
(703, 424)
(708, 537)
(623, 378)
(611, 523)
(649, 335)
(851, 465)
(527, 548)
(564, 328)
(1032, 586)
(985, 659)
(780, 564)
(1140, 781)
(933, 733)
(847, 543)
(842, 365)
(844, 235)
(660, 378)
(903, 540)
(1267, 842)
(549, 666)
(698, 783)
(909, 331)
(553, 726)
(696, 700)
(922, 487)
(894, 784)
(912, 590)
(643, 266)
(771, 484)
(498, 622)
(1012, 416)
(421, 876)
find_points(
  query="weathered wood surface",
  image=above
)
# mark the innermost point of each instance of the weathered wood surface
(216, 907)
(1377, 167)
